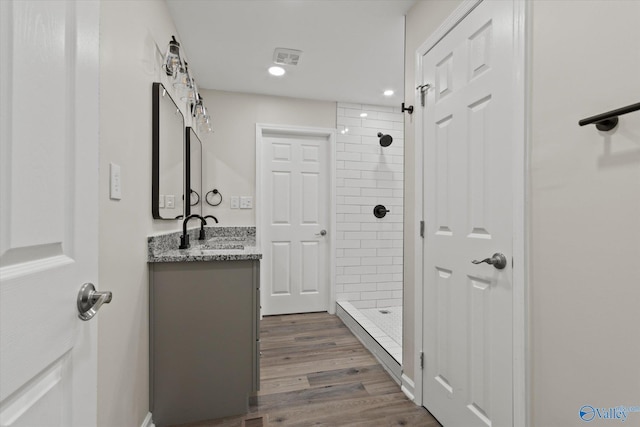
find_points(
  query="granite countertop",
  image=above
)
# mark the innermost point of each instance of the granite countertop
(220, 244)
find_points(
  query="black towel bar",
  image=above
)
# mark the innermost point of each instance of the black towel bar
(609, 120)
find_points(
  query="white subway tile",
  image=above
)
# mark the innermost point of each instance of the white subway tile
(348, 172)
(361, 287)
(396, 252)
(349, 226)
(360, 253)
(376, 277)
(376, 260)
(353, 112)
(377, 124)
(348, 244)
(347, 209)
(344, 279)
(350, 122)
(348, 138)
(348, 296)
(361, 148)
(344, 262)
(347, 191)
(377, 192)
(358, 217)
(343, 155)
(389, 269)
(389, 286)
(391, 117)
(390, 235)
(376, 243)
(375, 295)
(361, 235)
(365, 270)
(398, 260)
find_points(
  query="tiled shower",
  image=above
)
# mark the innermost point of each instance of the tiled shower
(369, 249)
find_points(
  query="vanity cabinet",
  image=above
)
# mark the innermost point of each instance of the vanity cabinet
(204, 339)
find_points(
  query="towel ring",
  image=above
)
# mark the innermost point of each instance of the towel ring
(213, 193)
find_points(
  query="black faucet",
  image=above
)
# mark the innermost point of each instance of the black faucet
(211, 216)
(184, 239)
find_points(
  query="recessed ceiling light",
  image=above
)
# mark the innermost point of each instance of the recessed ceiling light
(276, 71)
(388, 92)
(363, 114)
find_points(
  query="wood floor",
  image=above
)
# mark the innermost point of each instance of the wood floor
(314, 372)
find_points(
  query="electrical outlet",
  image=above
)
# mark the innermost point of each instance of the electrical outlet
(235, 202)
(115, 184)
(170, 201)
(161, 201)
(246, 202)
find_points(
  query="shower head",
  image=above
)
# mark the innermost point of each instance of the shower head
(385, 140)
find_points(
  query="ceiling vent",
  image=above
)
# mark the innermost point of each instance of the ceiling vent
(283, 56)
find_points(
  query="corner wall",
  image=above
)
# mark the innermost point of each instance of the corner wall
(585, 212)
(129, 63)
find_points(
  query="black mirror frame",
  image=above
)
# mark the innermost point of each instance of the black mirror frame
(187, 165)
(155, 154)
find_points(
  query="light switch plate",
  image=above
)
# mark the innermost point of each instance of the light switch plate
(246, 202)
(115, 184)
(161, 201)
(235, 202)
(170, 201)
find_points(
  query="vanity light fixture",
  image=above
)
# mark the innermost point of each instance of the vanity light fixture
(172, 61)
(388, 92)
(276, 71)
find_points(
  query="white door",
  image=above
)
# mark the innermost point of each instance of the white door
(295, 223)
(49, 218)
(468, 142)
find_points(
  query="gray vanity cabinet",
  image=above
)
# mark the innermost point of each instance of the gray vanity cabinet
(204, 332)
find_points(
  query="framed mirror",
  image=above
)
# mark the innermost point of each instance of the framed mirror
(168, 171)
(193, 172)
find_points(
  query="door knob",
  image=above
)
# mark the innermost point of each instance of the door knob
(90, 301)
(322, 233)
(498, 260)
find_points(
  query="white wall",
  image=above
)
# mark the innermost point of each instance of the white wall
(229, 154)
(585, 211)
(422, 20)
(129, 63)
(369, 249)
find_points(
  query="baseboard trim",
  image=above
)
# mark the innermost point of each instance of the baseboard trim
(408, 387)
(148, 421)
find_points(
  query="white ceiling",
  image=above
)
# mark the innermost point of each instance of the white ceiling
(352, 49)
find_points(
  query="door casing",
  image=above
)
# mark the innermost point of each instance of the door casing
(520, 161)
(263, 130)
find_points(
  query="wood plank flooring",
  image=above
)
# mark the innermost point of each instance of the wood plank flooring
(314, 372)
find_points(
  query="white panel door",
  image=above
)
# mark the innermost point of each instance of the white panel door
(49, 211)
(468, 135)
(295, 183)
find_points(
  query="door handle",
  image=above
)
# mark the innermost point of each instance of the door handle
(90, 301)
(322, 233)
(498, 260)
